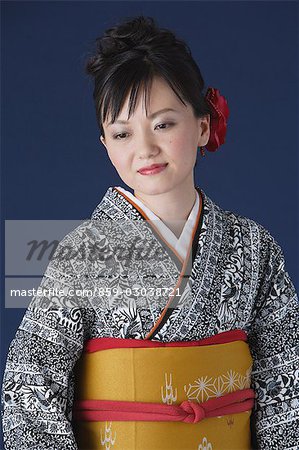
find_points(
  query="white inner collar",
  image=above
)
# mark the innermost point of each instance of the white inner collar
(180, 244)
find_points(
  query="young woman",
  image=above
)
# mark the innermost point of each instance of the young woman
(176, 326)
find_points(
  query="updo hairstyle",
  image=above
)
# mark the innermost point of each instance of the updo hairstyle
(128, 56)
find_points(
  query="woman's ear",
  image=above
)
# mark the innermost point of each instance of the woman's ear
(204, 130)
(103, 141)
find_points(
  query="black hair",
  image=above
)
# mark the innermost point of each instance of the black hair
(129, 55)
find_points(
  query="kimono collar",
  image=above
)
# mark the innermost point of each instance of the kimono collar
(179, 244)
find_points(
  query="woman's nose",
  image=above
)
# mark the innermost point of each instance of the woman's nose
(147, 146)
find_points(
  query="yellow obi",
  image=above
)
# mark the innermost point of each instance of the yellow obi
(169, 377)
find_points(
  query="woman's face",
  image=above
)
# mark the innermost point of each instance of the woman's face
(169, 137)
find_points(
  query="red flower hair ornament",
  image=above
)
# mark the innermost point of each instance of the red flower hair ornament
(218, 119)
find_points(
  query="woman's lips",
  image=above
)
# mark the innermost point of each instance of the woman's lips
(152, 171)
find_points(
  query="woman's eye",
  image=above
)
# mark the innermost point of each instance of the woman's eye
(116, 136)
(163, 127)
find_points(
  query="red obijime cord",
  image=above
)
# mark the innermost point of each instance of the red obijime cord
(188, 412)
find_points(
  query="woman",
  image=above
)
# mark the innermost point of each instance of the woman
(177, 322)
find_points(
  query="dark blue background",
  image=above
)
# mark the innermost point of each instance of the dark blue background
(53, 166)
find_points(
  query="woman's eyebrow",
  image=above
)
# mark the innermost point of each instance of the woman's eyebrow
(152, 116)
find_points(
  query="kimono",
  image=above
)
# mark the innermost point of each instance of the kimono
(226, 273)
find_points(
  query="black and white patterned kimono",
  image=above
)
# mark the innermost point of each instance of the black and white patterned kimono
(236, 279)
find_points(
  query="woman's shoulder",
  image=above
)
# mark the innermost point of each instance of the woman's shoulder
(86, 234)
(91, 228)
(250, 229)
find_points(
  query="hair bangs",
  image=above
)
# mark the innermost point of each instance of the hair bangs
(118, 90)
(126, 82)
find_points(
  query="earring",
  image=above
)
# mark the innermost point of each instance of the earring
(202, 152)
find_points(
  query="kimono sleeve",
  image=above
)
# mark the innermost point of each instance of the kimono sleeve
(37, 389)
(273, 340)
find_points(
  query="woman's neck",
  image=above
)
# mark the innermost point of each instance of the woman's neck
(172, 207)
